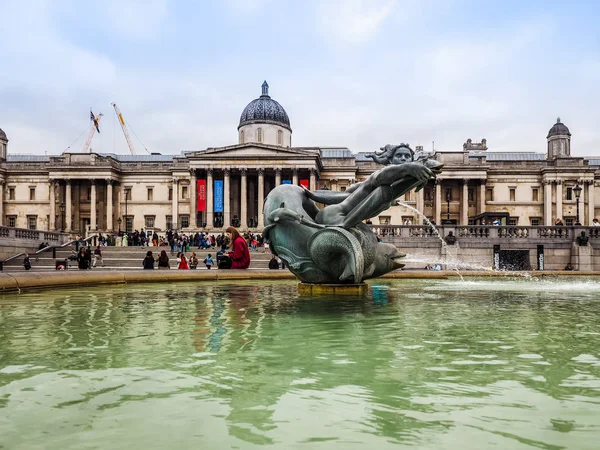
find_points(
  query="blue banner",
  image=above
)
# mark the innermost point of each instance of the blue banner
(286, 182)
(218, 206)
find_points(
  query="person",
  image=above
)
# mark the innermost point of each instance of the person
(88, 257)
(450, 239)
(208, 261)
(595, 223)
(437, 267)
(496, 222)
(273, 263)
(569, 266)
(559, 222)
(26, 262)
(98, 257)
(183, 264)
(73, 256)
(193, 261)
(148, 262)
(155, 239)
(163, 260)
(82, 259)
(124, 240)
(239, 256)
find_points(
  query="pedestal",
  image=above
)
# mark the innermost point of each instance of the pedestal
(332, 289)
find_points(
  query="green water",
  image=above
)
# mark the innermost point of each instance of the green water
(434, 364)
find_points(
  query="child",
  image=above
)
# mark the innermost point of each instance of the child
(208, 261)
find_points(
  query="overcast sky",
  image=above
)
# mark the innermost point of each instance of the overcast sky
(350, 73)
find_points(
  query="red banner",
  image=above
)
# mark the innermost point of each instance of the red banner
(201, 195)
(304, 183)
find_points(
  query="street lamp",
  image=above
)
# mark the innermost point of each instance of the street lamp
(62, 215)
(448, 199)
(577, 190)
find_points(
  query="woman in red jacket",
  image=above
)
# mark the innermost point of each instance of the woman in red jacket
(240, 256)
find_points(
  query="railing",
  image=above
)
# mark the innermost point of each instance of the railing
(48, 248)
(24, 233)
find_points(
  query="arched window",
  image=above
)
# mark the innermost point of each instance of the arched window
(259, 136)
(279, 137)
(242, 137)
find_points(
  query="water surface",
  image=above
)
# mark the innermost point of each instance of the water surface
(496, 363)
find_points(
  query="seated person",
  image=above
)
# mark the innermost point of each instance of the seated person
(273, 263)
(569, 266)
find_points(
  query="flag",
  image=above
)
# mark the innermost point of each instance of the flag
(93, 119)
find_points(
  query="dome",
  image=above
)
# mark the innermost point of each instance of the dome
(558, 128)
(265, 110)
(3, 135)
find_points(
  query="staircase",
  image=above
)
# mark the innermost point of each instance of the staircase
(126, 258)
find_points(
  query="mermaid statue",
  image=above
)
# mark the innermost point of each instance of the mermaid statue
(332, 245)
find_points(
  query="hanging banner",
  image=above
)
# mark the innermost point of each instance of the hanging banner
(201, 195)
(286, 182)
(218, 198)
(304, 183)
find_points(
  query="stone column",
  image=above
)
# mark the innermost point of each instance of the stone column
(226, 202)
(464, 211)
(482, 196)
(261, 198)
(313, 179)
(174, 204)
(438, 201)
(420, 205)
(559, 196)
(209, 200)
(193, 199)
(68, 206)
(591, 201)
(547, 203)
(295, 177)
(109, 205)
(52, 199)
(93, 202)
(244, 199)
(277, 176)
(1, 202)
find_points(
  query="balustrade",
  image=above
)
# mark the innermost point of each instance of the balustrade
(473, 231)
(513, 232)
(554, 232)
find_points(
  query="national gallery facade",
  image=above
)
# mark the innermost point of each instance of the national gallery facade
(213, 188)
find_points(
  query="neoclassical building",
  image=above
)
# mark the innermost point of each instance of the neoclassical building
(212, 188)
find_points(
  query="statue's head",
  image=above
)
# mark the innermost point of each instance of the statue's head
(397, 154)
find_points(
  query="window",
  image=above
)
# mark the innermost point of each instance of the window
(384, 220)
(11, 193)
(471, 194)
(427, 195)
(259, 135)
(129, 224)
(32, 196)
(535, 194)
(535, 221)
(150, 194)
(149, 221)
(279, 137)
(89, 195)
(184, 221)
(569, 193)
(512, 193)
(569, 221)
(242, 137)
(489, 195)
(170, 194)
(31, 222)
(169, 222)
(184, 192)
(448, 195)
(513, 221)
(12, 221)
(128, 193)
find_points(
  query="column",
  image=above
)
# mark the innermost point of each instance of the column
(261, 197)
(52, 199)
(68, 206)
(277, 176)
(559, 198)
(93, 218)
(420, 205)
(313, 179)
(438, 201)
(174, 204)
(209, 200)
(547, 203)
(464, 211)
(193, 199)
(244, 199)
(226, 202)
(591, 203)
(295, 177)
(482, 196)
(1, 202)
(109, 205)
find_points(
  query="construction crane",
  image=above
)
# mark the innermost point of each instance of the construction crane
(95, 121)
(125, 132)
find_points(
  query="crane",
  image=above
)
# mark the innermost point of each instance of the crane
(95, 127)
(125, 132)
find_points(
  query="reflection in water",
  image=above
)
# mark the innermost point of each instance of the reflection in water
(429, 364)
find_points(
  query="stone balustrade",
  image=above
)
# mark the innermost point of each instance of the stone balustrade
(12, 236)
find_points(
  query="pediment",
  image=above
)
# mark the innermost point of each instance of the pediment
(253, 151)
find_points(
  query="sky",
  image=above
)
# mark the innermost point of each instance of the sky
(350, 73)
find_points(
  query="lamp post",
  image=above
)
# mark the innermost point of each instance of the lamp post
(448, 199)
(577, 189)
(126, 198)
(62, 216)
